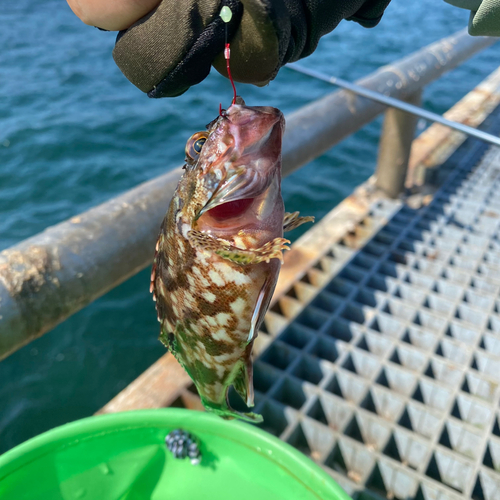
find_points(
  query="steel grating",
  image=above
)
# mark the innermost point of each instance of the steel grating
(390, 377)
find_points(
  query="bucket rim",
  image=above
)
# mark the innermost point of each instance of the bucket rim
(296, 464)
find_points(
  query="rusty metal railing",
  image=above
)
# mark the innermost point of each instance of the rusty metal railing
(52, 275)
(399, 130)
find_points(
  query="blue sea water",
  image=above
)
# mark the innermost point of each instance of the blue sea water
(74, 133)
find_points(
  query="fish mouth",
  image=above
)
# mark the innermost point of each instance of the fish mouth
(231, 209)
(228, 215)
(227, 192)
(250, 175)
(243, 212)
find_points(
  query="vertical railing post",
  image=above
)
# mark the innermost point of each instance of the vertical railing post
(397, 136)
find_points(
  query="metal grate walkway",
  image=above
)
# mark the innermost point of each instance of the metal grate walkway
(390, 377)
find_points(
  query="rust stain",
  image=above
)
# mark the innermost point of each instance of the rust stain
(295, 258)
(354, 476)
(490, 213)
(355, 237)
(480, 91)
(433, 256)
(28, 272)
(426, 200)
(356, 203)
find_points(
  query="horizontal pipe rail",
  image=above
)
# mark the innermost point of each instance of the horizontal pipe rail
(315, 128)
(52, 275)
(47, 278)
(396, 103)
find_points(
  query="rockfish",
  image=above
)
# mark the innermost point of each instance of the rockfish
(220, 250)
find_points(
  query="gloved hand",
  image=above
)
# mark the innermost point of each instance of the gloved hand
(484, 18)
(174, 46)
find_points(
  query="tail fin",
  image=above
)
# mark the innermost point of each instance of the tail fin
(243, 384)
(225, 411)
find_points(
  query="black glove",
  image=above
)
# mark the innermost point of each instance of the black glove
(173, 47)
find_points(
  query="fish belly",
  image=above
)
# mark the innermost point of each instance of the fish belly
(212, 337)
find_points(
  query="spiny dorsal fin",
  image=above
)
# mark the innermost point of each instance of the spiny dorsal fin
(293, 220)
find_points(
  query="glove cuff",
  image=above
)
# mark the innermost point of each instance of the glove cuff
(172, 48)
(370, 14)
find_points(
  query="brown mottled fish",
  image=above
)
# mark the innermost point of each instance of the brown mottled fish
(220, 250)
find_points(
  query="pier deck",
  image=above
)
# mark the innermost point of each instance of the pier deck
(390, 377)
(380, 356)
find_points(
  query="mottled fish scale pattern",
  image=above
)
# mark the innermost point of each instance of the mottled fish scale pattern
(216, 299)
(218, 257)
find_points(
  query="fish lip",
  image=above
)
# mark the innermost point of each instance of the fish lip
(261, 143)
(236, 115)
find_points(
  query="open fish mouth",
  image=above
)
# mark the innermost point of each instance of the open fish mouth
(229, 190)
(248, 177)
(231, 209)
(230, 215)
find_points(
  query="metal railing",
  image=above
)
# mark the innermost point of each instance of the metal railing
(399, 130)
(407, 107)
(47, 278)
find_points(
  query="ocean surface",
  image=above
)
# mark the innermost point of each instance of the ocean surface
(74, 133)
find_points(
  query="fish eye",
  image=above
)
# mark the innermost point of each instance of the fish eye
(199, 144)
(194, 145)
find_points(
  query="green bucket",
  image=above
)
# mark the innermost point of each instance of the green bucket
(123, 456)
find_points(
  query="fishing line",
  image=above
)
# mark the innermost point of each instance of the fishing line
(396, 103)
(226, 15)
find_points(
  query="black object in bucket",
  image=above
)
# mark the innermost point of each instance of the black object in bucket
(182, 444)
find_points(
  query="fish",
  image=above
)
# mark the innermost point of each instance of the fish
(220, 250)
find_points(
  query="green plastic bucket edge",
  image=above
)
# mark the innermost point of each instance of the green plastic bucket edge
(294, 462)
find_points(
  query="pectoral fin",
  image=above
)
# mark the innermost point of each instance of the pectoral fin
(293, 220)
(271, 250)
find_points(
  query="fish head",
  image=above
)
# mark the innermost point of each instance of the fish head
(237, 166)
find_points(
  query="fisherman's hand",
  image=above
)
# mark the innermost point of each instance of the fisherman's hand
(484, 18)
(111, 15)
(173, 46)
